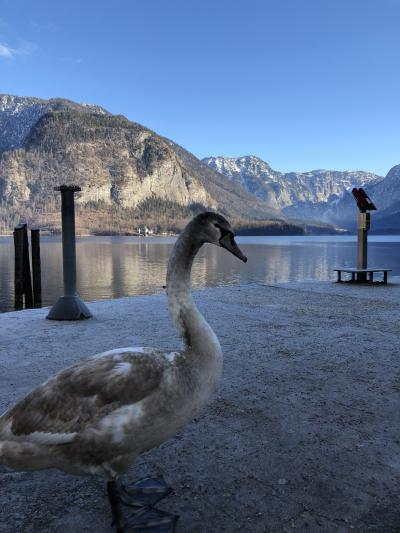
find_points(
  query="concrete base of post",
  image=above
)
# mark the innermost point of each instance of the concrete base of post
(69, 308)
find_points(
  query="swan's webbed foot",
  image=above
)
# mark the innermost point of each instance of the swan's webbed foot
(150, 520)
(148, 491)
(141, 496)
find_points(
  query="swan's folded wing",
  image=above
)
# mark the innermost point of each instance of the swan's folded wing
(80, 396)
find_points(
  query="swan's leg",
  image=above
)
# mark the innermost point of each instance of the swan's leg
(115, 503)
(146, 491)
(145, 518)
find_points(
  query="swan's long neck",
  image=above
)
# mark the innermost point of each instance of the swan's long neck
(191, 325)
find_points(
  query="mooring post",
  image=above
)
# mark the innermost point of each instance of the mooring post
(36, 268)
(18, 267)
(22, 269)
(69, 306)
(27, 281)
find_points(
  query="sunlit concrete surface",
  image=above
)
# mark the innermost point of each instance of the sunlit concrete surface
(302, 434)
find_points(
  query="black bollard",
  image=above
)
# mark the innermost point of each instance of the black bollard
(36, 268)
(69, 306)
(18, 267)
(22, 269)
(27, 271)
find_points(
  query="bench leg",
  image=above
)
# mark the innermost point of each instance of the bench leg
(385, 278)
(339, 276)
(353, 276)
(371, 277)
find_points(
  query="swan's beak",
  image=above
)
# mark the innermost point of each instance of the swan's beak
(228, 242)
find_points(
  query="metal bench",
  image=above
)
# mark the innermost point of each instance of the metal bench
(360, 274)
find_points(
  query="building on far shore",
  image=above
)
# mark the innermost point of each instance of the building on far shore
(145, 231)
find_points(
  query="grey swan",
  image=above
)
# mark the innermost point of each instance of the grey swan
(98, 415)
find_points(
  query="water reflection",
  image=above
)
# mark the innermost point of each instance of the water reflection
(112, 267)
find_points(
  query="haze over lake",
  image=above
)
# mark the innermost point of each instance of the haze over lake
(113, 267)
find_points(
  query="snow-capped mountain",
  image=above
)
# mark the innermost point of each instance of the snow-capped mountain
(243, 169)
(121, 164)
(386, 197)
(387, 191)
(310, 195)
(122, 167)
(19, 113)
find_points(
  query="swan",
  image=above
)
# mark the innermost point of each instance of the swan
(98, 415)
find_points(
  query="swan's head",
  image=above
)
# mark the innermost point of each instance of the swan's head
(214, 228)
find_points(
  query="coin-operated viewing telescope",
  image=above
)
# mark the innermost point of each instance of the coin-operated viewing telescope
(360, 273)
(364, 204)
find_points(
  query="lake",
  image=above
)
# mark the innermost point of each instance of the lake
(112, 267)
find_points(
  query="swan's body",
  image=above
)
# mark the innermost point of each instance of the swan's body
(96, 416)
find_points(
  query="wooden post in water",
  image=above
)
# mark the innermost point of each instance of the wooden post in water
(27, 271)
(22, 268)
(36, 268)
(18, 267)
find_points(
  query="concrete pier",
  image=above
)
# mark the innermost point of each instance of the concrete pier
(302, 434)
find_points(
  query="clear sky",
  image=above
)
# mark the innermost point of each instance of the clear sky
(303, 84)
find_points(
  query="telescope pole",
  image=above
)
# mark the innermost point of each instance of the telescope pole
(362, 243)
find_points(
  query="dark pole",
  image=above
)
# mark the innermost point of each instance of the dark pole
(36, 268)
(27, 271)
(362, 240)
(68, 239)
(69, 306)
(18, 267)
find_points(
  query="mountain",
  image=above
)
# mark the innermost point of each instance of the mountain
(309, 196)
(230, 194)
(129, 175)
(19, 113)
(387, 191)
(251, 173)
(318, 195)
(132, 176)
(386, 197)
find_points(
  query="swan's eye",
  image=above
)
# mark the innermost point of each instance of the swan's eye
(216, 225)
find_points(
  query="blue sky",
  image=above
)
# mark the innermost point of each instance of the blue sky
(303, 84)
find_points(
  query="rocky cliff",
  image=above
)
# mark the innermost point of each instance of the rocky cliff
(128, 173)
(342, 210)
(308, 195)
(113, 160)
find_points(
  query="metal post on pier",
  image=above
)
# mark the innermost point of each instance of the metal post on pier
(364, 204)
(69, 306)
(362, 240)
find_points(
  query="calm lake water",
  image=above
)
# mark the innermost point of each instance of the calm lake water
(112, 267)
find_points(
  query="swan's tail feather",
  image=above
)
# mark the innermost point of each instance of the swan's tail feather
(23, 456)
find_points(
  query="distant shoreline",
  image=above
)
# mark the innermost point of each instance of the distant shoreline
(347, 234)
